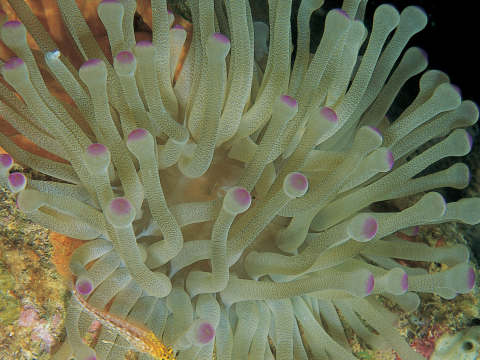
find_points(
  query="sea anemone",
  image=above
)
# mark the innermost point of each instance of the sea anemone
(224, 198)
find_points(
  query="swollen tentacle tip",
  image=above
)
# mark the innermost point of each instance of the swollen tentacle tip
(140, 142)
(405, 282)
(145, 52)
(329, 115)
(470, 140)
(97, 158)
(6, 163)
(369, 284)
(295, 184)
(424, 54)
(285, 107)
(201, 332)
(390, 160)
(13, 64)
(342, 12)
(217, 46)
(373, 128)
(84, 286)
(137, 134)
(120, 212)
(370, 228)
(206, 332)
(362, 227)
(237, 200)
(93, 71)
(17, 182)
(13, 33)
(144, 44)
(457, 89)
(289, 101)
(125, 63)
(471, 278)
(178, 27)
(91, 63)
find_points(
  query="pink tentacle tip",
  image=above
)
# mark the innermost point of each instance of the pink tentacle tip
(370, 228)
(178, 27)
(6, 160)
(137, 134)
(289, 101)
(220, 38)
(110, 1)
(369, 285)
(424, 53)
(405, 282)
(416, 230)
(17, 179)
(390, 159)
(298, 181)
(12, 24)
(125, 57)
(13, 63)
(84, 287)
(144, 43)
(470, 140)
(376, 130)
(206, 332)
(342, 12)
(121, 206)
(91, 63)
(471, 277)
(457, 89)
(242, 196)
(329, 115)
(96, 149)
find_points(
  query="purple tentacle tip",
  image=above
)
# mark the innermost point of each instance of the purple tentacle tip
(13, 63)
(405, 282)
(242, 196)
(288, 100)
(329, 115)
(121, 206)
(390, 159)
(457, 89)
(96, 149)
(91, 63)
(370, 228)
(84, 287)
(6, 160)
(17, 179)
(220, 38)
(125, 57)
(178, 27)
(143, 43)
(376, 130)
(298, 181)
(137, 134)
(206, 332)
(470, 140)
(471, 278)
(342, 12)
(12, 24)
(369, 285)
